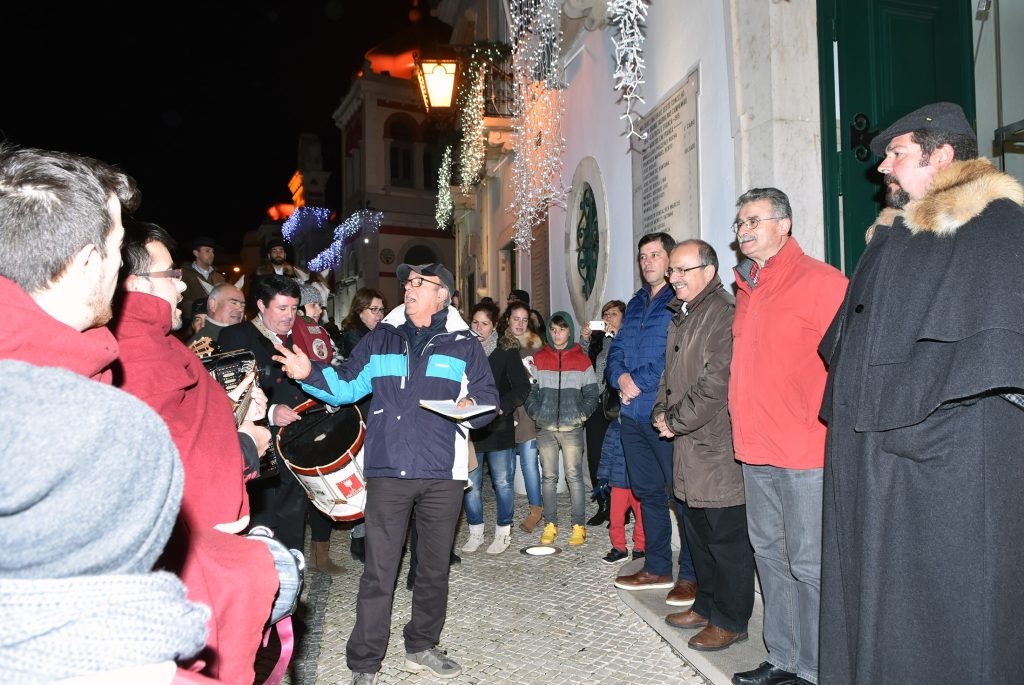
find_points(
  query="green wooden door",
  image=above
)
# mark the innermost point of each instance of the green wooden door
(893, 57)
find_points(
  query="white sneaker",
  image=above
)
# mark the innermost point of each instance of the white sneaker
(502, 539)
(476, 538)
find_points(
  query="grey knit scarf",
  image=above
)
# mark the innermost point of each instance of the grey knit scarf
(66, 627)
(490, 342)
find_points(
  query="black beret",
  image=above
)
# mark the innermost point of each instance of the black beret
(938, 116)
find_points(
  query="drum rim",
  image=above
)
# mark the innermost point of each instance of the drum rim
(343, 459)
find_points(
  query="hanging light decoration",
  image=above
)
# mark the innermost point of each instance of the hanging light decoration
(443, 213)
(303, 219)
(629, 17)
(471, 112)
(364, 220)
(537, 114)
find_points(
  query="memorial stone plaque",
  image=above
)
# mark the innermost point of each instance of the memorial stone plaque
(666, 182)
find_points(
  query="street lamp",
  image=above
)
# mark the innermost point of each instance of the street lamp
(437, 80)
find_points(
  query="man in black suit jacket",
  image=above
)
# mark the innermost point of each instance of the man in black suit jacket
(278, 502)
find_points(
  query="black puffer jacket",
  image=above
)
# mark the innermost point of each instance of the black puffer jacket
(513, 386)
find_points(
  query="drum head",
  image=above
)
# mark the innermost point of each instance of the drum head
(320, 437)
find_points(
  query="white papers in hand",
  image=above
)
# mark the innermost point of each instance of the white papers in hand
(450, 409)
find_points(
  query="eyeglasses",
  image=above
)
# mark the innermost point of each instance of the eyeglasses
(682, 271)
(170, 273)
(418, 281)
(752, 222)
(375, 310)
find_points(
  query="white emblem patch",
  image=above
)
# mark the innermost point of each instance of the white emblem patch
(320, 349)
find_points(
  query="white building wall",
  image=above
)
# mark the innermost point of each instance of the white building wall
(680, 37)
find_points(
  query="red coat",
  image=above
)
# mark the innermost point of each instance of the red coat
(34, 337)
(159, 370)
(235, 576)
(777, 377)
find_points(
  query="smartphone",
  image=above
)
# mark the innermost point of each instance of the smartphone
(596, 325)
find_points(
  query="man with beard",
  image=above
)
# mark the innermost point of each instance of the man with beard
(276, 262)
(234, 575)
(922, 542)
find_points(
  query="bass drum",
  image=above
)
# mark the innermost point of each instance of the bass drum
(325, 452)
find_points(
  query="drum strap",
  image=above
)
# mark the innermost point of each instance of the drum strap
(285, 636)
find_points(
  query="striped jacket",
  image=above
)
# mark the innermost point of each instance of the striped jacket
(404, 440)
(566, 390)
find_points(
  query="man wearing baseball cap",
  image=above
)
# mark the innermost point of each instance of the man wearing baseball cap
(413, 457)
(922, 541)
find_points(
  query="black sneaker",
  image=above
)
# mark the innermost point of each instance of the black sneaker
(639, 555)
(615, 556)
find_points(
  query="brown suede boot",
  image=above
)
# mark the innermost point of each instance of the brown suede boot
(531, 521)
(320, 559)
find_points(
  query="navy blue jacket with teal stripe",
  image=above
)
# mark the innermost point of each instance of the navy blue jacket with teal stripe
(404, 440)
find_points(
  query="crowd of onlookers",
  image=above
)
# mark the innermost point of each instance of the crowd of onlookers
(855, 442)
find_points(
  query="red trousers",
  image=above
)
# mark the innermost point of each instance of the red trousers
(623, 499)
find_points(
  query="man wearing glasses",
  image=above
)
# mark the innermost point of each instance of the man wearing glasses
(231, 573)
(691, 410)
(413, 458)
(785, 301)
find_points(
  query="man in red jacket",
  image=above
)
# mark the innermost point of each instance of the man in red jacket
(785, 301)
(236, 576)
(60, 215)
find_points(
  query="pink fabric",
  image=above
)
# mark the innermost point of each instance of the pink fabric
(623, 499)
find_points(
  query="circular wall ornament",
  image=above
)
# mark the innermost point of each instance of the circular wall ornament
(387, 255)
(586, 240)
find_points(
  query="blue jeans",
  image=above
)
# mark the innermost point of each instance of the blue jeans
(502, 468)
(649, 465)
(530, 468)
(571, 443)
(784, 524)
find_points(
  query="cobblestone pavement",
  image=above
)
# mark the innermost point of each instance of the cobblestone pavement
(512, 618)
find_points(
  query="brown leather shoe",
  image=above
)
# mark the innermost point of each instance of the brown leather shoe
(713, 638)
(683, 593)
(642, 580)
(686, 619)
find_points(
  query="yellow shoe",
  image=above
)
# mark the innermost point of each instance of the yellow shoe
(579, 535)
(550, 531)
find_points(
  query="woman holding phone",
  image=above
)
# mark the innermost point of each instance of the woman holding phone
(595, 341)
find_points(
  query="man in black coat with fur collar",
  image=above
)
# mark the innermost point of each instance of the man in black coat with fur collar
(923, 510)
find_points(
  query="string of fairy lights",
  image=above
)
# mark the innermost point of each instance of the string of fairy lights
(629, 18)
(363, 221)
(443, 212)
(537, 114)
(538, 107)
(471, 114)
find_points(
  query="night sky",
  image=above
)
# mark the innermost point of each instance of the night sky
(202, 102)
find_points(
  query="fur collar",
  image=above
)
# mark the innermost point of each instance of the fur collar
(530, 342)
(959, 193)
